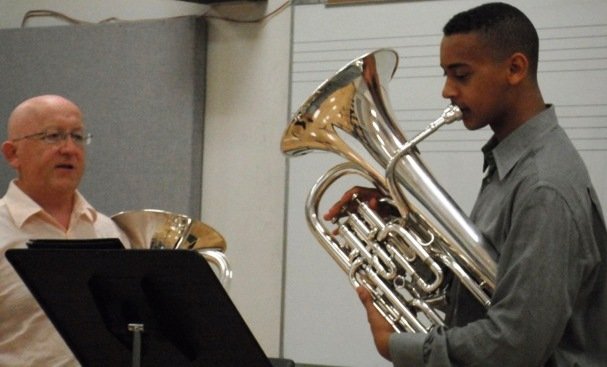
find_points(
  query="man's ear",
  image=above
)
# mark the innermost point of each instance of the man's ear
(518, 68)
(9, 151)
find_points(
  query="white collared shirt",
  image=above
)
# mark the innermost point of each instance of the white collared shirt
(27, 337)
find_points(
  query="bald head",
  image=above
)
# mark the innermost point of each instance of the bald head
(28, 116)
(48, 171)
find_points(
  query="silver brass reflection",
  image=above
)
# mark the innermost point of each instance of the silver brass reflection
(404, 260)
(158, 229)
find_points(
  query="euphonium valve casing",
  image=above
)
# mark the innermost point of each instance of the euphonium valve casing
(405, 262)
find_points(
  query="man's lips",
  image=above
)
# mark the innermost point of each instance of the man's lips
(465, 110)
(67, 166)
(461, 107)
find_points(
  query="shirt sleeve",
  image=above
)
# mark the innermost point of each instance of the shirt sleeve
(539, 273)
(406, 349)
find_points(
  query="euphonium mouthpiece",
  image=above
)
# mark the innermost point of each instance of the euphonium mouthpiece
(451, 114)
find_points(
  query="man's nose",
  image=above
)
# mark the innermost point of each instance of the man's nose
(449, 90)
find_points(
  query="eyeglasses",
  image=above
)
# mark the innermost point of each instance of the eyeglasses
(56, 136)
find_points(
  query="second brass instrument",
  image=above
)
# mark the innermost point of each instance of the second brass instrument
(405, 261)
(159, 230)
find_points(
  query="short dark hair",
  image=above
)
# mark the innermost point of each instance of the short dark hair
(505, 28)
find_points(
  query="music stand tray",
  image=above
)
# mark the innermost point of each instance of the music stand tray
(92, 296)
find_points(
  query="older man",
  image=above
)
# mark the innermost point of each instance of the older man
(46, 147)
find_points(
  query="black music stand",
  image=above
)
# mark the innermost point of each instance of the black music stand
(97, 298)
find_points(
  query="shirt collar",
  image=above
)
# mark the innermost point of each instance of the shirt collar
(510, 150)
(21, 207)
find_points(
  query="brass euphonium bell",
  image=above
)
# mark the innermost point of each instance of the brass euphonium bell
(404, 260)
(159, 229)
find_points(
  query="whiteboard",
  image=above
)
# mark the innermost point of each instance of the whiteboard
(324, 322)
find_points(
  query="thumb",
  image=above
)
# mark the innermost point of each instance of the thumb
(365, 296)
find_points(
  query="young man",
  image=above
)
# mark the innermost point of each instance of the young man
(45, 146)
(537, 207)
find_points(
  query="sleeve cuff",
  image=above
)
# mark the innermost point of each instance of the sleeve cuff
(406, 349)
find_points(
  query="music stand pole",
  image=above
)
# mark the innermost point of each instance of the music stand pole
(136, 329)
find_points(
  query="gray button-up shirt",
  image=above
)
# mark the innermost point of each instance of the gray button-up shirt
(542, 215)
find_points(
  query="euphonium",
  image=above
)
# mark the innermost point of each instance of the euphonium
(405, 261)
(159, 229)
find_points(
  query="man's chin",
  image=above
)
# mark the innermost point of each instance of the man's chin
(65, 185)
(471, 124)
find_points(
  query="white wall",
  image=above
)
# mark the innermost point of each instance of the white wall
(243, 170)
(246, 109)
